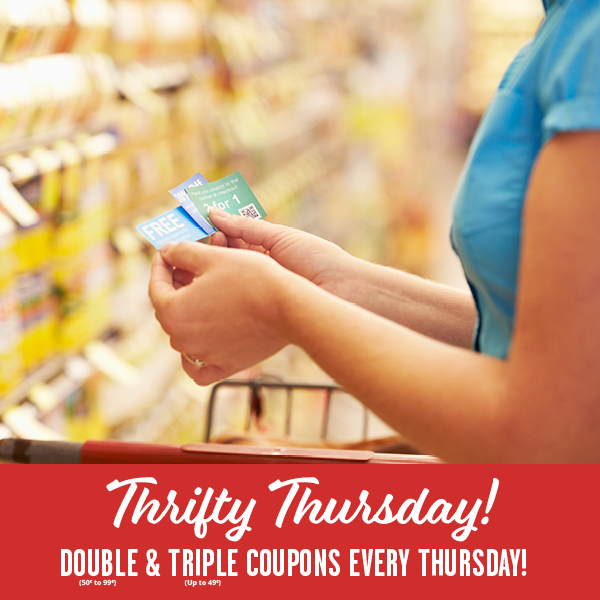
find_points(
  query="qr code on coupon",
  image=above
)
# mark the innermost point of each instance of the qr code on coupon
(249, 211)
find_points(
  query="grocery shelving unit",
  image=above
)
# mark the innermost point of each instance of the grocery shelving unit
(340, 115)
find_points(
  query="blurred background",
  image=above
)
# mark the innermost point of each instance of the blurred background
(349, 119)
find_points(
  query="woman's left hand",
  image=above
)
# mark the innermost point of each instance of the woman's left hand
(228, 316)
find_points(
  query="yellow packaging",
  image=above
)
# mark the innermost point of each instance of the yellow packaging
(84, 419)
(83, 276)
(34, 287)
(38, 317)
(71, 174)
(82, 270)
(32, 247)
(11, 366)
(49, 166)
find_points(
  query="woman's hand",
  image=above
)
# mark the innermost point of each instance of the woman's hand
(321, 262)
(226, 314)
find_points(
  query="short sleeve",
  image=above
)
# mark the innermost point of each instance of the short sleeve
(569, 83)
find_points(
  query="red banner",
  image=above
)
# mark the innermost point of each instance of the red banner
(112, 531)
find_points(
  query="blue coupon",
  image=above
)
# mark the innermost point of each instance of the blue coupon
(184, 200)
(173, 226)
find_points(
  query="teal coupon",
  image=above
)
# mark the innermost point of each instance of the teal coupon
(231, 194)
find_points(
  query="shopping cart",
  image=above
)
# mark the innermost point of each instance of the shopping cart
(255, 394)
(244, 448)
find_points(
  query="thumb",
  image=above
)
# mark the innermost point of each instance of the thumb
(189, 256)
(251, 231)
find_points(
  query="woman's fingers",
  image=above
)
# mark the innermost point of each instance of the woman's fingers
(238, 244)
(251, 231)
(221, 240)
(218, 239)
(201, 375)
(161, 287)
(226, 318)
(187, 256)
(182, 278)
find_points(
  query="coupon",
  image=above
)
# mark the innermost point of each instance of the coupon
(173, 226)
(231, 194)
(189, 222)
(180, 194)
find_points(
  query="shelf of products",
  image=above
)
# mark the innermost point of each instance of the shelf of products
(340, 114)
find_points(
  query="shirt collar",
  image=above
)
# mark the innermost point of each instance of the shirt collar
(549, 3)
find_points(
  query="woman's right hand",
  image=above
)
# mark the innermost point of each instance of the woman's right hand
(321, 262)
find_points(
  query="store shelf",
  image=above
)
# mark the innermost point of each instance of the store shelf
(41, 375)
(48, 138)
(304, 103)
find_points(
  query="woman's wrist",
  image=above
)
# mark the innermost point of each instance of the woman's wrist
(293, 300)
(346, 279)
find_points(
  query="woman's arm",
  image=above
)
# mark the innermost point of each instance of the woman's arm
(435, 310)
(438, 311)
(543, 403)
(540, 405)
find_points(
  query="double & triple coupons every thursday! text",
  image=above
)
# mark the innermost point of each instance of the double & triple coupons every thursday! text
(189, 222)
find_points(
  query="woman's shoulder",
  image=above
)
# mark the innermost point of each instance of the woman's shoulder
(572, 41)
(568, 77)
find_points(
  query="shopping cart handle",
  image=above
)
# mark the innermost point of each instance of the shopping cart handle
(113, 452)
(255, 453)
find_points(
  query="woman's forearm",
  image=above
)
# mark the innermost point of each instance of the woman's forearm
(446, 400)
(429, 308)
(437, 311)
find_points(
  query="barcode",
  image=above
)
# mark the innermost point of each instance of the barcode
(249, 211)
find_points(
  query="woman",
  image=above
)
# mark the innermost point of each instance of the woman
(503, 375)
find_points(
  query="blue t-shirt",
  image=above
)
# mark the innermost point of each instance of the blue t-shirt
(553, 85)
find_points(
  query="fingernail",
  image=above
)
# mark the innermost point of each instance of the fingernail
(167, 246)
(217, 212)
